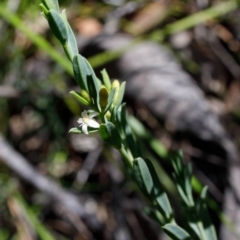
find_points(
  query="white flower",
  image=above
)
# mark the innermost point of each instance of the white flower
(87, 121)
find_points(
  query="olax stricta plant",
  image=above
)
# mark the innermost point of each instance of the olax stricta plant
(103, 99)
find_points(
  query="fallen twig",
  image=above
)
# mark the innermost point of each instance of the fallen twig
(20, 165)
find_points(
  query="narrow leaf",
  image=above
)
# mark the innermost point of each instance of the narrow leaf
(209, 229)
(122, 119)
(80, 71)
(116, 85)
(121, 94)
(181, 191)
(110, 135)
(182, 176)
(79, 130)
(163, 204)
(57, 25)
(80, 98)
(51, 4)
(76, 130)
(176, 232)
(155, 215)
(110, 99)
(143, 176)
(114, 115)
(44, 10)
(106, 79)
(94, 91)
(91, 72)
(70, 47)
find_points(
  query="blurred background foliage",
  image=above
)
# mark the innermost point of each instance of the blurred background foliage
(37, 111)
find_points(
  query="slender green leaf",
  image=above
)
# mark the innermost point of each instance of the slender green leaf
(121, 92)
(80, 71)
(116, 85)
(106, 79)
(113, 118)
(42, 231)
(44, 10)
(57, 26)
(97, 81)
(155, 215)
(93, 88)
(91, 72)
(110, 135)
(79, 130)
(193, 222)
(182, 176)
(51, 4)
(123, 123)
(85, 75)
(163, 204)
(203, 194)
(188, 186)
(182, 193)
(76, 130)
(176, 232)
(205, 218)
(143, 176)
(70, 47)
(110, 99)
(80, 98)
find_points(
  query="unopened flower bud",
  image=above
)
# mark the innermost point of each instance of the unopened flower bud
(85, 95)
(116, 85)
(103, 94)
(108, 115)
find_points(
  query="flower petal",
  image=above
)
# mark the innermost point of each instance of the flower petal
(93, 114)
(80, 121)
(92, 123)
(85, 128)
(84, 114)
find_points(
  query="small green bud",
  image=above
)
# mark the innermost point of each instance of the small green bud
(116, 85)
(80, 98)
(44, 9)
(108, 115)
(85, 95)
(103, 94)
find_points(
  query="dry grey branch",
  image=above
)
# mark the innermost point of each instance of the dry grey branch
(20, 165)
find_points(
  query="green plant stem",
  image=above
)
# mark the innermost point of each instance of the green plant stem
(126, 157)
(102, 117)
(40, 42)
(68, 52)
